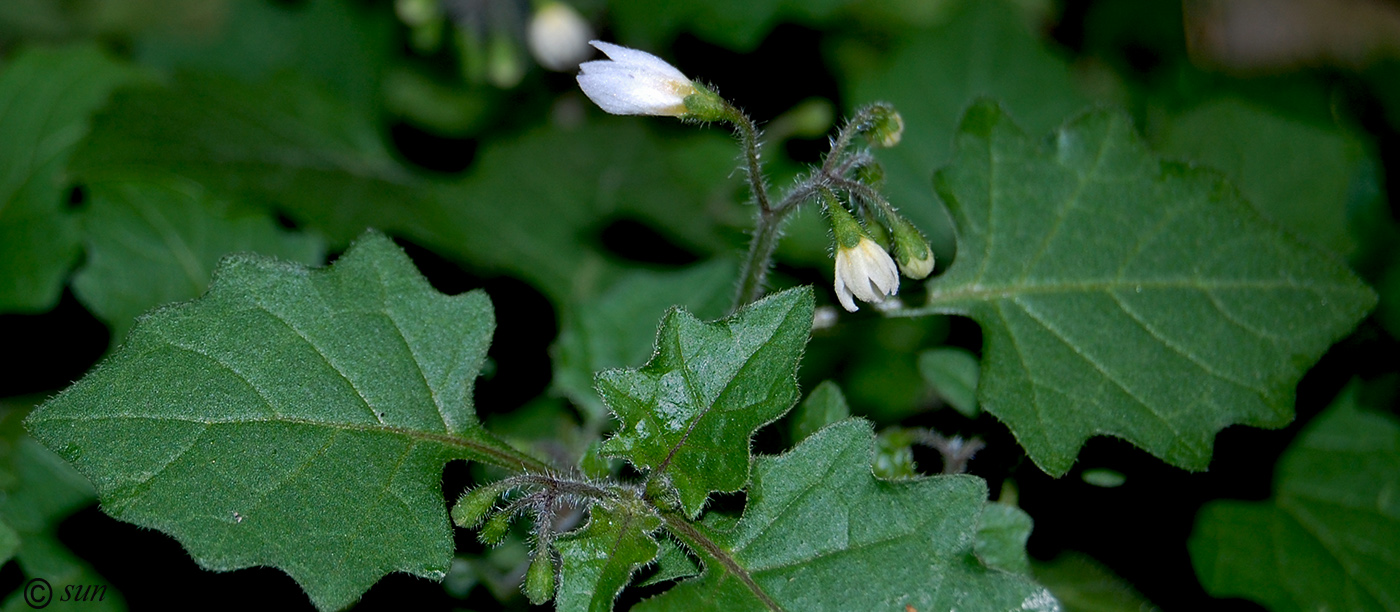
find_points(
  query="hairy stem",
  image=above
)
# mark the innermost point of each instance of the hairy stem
(747, 132)
(760, 257)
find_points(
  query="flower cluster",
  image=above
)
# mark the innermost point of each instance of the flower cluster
(632, 82)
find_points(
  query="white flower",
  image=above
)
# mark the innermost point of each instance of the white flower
(558, 36)
(633, 82)
(864, 271)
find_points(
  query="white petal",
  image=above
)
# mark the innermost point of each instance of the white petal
(617, 90)
(639, 59)
(843, 295)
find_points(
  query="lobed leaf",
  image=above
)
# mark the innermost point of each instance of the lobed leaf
(290, 417)
(819, 533)
(1121, 295)
(1327, 539)
(690, 411)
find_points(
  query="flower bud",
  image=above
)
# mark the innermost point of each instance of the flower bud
(885, 126)
(539, 579)
(494, 530)
(632, 82)
(872, 174)
(911, 249)
(558, 36)
(473, 505)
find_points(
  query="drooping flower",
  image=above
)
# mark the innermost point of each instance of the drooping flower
(863, 269)
(632, 82)
(558, 36)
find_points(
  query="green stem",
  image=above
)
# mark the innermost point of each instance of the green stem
(760, 257)
(748, 138)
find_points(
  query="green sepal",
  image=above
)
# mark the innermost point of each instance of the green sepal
(539, 579)
(706, 105)
(844, 227)
(494, 530)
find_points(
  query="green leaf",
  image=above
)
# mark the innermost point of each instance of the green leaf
(150, 242)
(37, 491)
(1083, 585)
(690, 411)
(1297, 174)
(290, 417)
(984, 49)
(952, 372)
(597, 561)
(1327, 539)
(46, 98)
(9, 542)
(616, 329)
(1001, 538)
(1121, 295)
(824, 405)
(672, 563)
(820, 533)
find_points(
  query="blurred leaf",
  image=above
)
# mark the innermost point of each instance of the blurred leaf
(824, 405)
(1124, 296)
(1102, 477)
(68, 20)
(598, 560)
(952, 372)
(1001, 538)
(281, 143)
(1327, 539)
(690, 411)
(337, 44)
(46, 99)
(290, 417)
(820, 533)
(617, 328)
(1297, 174)
(9, 542)
(39, 491)
(287, 144)
(154, 242)
(983, 50)
(1083, 585)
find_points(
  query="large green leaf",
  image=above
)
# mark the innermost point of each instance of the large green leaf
(688, 413)
(154, 242)
(37, 491)
(46, 99)
(598, 560)
(1328, 538)
(290, 417)
(287, 144)
(616, 329)
(1121, 295)
(821, 533)
(1297, 174)
(984, 49)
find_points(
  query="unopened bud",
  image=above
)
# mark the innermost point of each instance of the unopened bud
(911, 249)
(504, 66)
(872, 174)
(539, 579)
(473, 505)
(416, 12)
(495, 529)
(885, 126)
